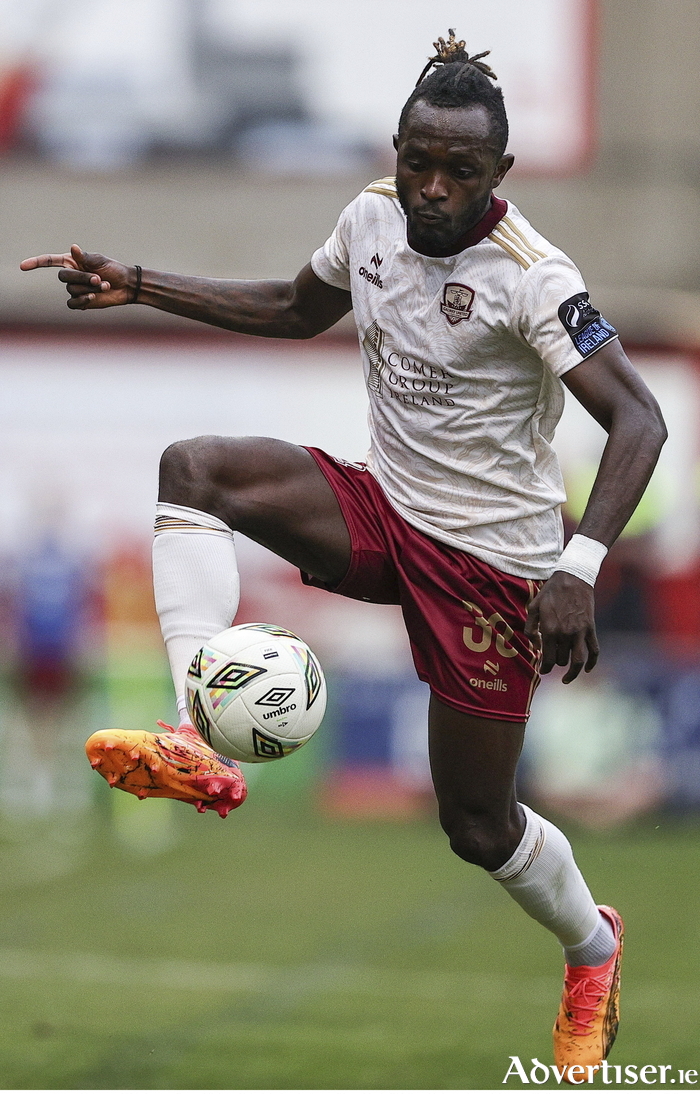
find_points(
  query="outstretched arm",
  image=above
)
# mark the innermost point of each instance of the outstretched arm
(561, 617)
(274, 309)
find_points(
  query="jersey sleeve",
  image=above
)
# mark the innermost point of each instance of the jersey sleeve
(553, 314)
(331, 262)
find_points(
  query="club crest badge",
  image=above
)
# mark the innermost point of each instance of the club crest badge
(457, 302)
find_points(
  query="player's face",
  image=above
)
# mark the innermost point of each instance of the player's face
(446, 169)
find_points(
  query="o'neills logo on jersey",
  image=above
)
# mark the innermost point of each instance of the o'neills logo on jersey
(373, 278)
(457, 302)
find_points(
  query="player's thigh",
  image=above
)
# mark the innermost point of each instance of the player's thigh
(473, 762)
(272, 491)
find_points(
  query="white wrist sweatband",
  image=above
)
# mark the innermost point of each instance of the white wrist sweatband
(582, 557)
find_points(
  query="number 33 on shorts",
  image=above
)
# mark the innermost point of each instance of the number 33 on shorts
(501, 667)
(479, 639)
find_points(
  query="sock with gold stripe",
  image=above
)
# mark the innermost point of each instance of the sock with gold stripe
(195, 581)
(542, 876)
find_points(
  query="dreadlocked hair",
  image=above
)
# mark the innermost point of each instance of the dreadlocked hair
(458, 81)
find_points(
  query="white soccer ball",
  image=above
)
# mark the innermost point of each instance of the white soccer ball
(256, 692)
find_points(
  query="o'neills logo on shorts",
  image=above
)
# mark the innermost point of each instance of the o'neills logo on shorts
(457, 302)
(490, 685)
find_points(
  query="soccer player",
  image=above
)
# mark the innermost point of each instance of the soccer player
(469, 321)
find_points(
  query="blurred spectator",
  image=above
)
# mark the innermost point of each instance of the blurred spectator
(622, 590)
(51, 598)
(17, 83)
(50, 602)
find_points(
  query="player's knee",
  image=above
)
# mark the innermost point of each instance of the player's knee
(191, 473)
(480, 840)
(182, 468)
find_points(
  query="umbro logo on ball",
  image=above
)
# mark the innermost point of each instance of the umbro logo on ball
(275, 697)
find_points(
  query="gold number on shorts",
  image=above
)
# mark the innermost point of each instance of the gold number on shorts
(480, 643)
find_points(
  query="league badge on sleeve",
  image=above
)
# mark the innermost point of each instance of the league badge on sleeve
(584, 324)
(457, 302)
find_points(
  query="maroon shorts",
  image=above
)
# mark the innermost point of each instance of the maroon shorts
(464, 618)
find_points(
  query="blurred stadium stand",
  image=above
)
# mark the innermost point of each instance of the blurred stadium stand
(630, 217)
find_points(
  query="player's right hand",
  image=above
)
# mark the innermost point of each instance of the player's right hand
(91, 280)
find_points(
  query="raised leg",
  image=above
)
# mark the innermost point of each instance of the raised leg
(272, 491)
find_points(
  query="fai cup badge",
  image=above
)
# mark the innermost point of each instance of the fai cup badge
(457, 302)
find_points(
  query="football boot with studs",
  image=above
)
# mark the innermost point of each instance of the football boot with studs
(176, 763)
(589, 1014)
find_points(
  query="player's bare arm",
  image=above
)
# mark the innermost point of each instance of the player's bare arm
(612, 391)
(273, 309)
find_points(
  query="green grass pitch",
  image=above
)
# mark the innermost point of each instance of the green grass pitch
(281, 950)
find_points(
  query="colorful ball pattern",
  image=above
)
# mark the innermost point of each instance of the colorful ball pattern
(256, 692)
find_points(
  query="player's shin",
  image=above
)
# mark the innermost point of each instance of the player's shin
(544, 879)
(542, 876)
(195, 582)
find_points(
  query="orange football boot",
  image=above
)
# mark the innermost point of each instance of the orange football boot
(176, 763)
(589, 1014)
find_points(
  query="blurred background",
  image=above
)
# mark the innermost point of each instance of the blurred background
(223, 137)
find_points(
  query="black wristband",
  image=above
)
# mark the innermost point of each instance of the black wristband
(137, 289)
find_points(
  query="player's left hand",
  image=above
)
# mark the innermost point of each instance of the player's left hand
(561, 624)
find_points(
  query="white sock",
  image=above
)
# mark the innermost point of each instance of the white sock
(597, 948)
(196, 584)
(542, 876)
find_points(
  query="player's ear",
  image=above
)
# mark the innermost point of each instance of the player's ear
(396, 141)
(502, 168)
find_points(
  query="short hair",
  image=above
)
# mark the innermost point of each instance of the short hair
(460, 81)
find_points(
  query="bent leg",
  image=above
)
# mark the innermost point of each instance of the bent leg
(276, 494)
(271, 491)
(473, 761)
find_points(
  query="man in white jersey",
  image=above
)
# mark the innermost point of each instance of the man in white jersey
(468, 321)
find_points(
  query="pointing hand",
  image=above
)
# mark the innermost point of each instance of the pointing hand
(91, 280)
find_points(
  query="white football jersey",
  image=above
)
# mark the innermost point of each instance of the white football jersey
(462, 359)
